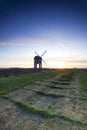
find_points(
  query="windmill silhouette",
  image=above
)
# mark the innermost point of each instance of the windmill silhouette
(38, 60)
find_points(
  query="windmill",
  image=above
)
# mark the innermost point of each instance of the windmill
(38, 60)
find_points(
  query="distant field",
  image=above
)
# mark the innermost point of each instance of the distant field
(12, 83)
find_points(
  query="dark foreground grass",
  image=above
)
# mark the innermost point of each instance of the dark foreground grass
(12, 83)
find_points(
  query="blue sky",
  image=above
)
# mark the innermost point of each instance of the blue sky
(58, 26)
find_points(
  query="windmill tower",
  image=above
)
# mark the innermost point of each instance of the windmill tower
(38, 60)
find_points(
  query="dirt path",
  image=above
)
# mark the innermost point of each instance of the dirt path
(59, 95)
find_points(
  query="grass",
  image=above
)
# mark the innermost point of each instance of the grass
(83, 80)
(45, 113)
(83, 98)
(13, 83)
(65, 79)
(49, 113)
(61, 83)
(49, 94)
(58, 87)
(83, 83)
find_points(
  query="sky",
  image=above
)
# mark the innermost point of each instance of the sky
(58, 26)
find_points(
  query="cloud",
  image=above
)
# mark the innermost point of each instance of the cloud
(35, 43)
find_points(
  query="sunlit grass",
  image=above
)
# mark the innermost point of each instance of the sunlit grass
(12, 83)
(45, 113)
(83, 83)
(57, 87)
(49, 94)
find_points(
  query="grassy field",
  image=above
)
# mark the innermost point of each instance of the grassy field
(52, 100)
(12, 83)
(83, 83)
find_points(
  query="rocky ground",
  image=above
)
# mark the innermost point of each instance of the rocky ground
(58, 96)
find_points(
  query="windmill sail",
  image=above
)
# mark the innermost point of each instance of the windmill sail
(43, 53)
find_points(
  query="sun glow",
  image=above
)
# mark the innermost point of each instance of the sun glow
(58, 65)
(61, 65)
